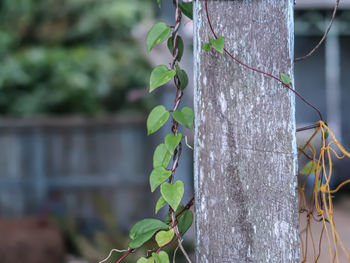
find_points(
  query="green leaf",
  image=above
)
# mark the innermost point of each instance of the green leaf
(285, 79)
(161, 257)
(159, 2)
(206, 46)
(160, 75)
(187, 9)
(181, 74)
(173, 193)
(144, 230)
(184, 117)
(145, 260)
(157, 34)
(158, 176)
(180, 46)
(160, 203)
(172, 141)
(326, 134)
(218, 43)
(309, 168)
(185, 221)
(156, 119)
(163, 237)
(161, 156)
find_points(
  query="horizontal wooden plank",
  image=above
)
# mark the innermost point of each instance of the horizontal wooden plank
(72, 121)
(78, 181)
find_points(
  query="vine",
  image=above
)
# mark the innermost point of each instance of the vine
(179, 218)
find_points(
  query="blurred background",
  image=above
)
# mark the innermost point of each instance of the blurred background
(75, 158)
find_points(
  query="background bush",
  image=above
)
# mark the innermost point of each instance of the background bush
(70, 56)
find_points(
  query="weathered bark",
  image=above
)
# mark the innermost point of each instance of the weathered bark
(245, 147)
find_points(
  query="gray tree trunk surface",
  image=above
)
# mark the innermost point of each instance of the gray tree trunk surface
(245, 147)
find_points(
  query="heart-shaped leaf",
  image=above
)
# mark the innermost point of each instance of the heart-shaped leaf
(180, 47)
(183, 78)
(218, 43)
(159, 76)
(187, 9)
(185, 220)
(163, 237)
(285, 79)
(158, 176)
(309, 168)
(143, 231)
(145, 260)
(161, 156)
(156, 119)
(157, 34)
(160, 203)
(184, 117)
(161, 257)
(173, 193)
(172, 141)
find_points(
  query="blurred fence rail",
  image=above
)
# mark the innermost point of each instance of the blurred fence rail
(74, 156)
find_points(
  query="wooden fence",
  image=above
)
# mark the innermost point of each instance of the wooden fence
(45, 162)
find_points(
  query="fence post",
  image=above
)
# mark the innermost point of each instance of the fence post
(245, 147)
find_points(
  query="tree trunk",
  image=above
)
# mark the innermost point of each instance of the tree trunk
(245, 147)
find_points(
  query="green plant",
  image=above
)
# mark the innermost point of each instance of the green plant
(71, 57)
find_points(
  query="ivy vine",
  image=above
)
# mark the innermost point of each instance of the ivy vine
(179, 217)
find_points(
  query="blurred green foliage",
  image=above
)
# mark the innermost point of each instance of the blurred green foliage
(71, 56)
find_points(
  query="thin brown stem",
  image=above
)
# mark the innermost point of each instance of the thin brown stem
(324, 35)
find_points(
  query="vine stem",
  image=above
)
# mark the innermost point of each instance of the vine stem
(257, 70)
(324, 35)
(179, 239)
(125, 255)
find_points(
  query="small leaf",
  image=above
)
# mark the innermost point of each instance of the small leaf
(173, 193)
(158, 176)
(159, 2)
(183, 78)
(180, 46)
(309, 168)
(160, 203)
(172, 141)
(185, 220)
(161, 257)
(187, 9)
(163, 237)
(160, 75)
(206, 46)
(218, 43)
(156, 119)
(161, 156)
(184, 117)
(285, 79)
(157, 34)
(145, 260)
(144, 230)
(326, 134)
